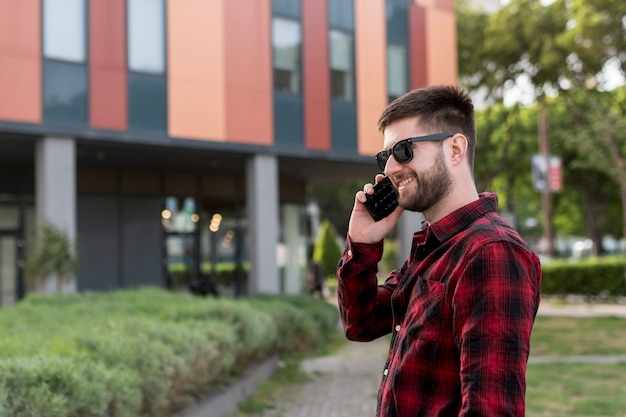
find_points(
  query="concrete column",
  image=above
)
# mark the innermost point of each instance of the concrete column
(409, 223)
(55, 189)
(294, 260)
(262, 210)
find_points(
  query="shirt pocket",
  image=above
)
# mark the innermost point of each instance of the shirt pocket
(424, 317)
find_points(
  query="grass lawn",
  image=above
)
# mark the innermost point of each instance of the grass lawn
(577, 389)
(563, 336)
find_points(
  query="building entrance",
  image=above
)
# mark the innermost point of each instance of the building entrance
(12, 250)
(204, 246)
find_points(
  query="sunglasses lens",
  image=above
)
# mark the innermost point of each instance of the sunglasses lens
(382, 157)
(403, 151)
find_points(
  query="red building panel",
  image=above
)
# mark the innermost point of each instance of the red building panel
(107, 69)
(417, 47)
(432, 32)
(316, 76)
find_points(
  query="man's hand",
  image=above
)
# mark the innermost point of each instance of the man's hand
(362, 228)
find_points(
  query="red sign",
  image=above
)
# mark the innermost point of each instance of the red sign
(547, 173)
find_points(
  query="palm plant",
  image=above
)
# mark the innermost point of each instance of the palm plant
(52, 254)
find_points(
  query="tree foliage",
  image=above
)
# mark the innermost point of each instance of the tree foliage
(561, 48)
(327, 251)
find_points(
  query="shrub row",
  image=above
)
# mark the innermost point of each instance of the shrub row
(145, 352)
(589, 277)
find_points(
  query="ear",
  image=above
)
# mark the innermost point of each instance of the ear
(458, 148)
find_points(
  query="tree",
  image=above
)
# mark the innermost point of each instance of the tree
(586, 183)
(554, 47)
(596, 36)
(52, 254)
(327, 251)
(600, 119)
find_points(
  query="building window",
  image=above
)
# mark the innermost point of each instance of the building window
(397, 71)
(397, 20)
(146, 36)
(341, 14)
(64, 30)
(286, 41)
(341, 66)
(291, 8)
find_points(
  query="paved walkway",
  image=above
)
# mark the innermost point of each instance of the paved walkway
(342, 385)
(345, 384)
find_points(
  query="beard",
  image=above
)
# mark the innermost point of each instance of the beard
(433, 184)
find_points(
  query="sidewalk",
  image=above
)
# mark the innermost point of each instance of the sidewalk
(345, 384)
(551, 308)
(342, 385)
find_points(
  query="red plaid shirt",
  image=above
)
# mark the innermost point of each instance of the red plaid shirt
(460, 311)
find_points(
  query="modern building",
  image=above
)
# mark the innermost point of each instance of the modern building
(175, 139)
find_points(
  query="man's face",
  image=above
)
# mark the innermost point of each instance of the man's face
(423, 181)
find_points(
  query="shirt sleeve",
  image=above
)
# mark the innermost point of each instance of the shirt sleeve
(364, 306)
(495, 304)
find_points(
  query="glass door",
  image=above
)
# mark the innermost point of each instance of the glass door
(180, 260)
(8, 270)
(180, 220)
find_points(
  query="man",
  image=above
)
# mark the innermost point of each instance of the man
(461, 307)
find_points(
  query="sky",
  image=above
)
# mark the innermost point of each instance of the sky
(522, 91)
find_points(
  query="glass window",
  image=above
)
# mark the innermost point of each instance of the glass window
(341, 66)
(147, 102)
(289, 8)
(397, 71)
(341, 14)
(286, 39)
(64, 93)
(64, 33)
(146, 36)
(397, 20)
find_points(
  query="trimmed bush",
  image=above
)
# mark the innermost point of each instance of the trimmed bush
(589, 277)
(146, 352)
(67, 387)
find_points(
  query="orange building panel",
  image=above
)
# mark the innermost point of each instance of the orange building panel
(20, 61)
(249, 93)
(371, 72)
(107, 65)
(196, 69)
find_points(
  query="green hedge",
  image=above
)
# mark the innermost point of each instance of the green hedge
(146, 352)
(589, 277)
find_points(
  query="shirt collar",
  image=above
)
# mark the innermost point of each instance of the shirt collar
(459, 219)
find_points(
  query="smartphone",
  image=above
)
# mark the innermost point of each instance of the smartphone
(384, 200)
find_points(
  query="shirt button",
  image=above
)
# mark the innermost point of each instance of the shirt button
(349, 253)
(386, 372)
(398, 328)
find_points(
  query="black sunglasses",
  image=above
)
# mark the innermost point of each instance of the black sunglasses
(402, 150)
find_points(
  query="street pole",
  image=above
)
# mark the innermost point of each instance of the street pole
(546, 196)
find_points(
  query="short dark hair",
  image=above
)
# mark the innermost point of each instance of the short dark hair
(440, 108)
